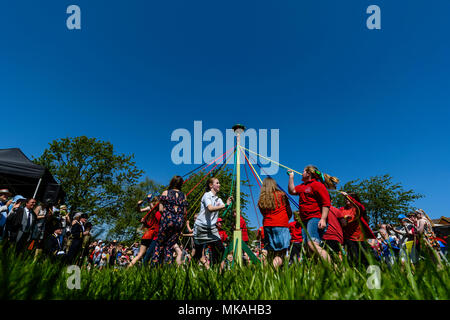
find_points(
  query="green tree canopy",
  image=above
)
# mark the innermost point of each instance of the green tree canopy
(383, 199)
(96, 179)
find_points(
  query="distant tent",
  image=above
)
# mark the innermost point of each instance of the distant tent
(21, 176)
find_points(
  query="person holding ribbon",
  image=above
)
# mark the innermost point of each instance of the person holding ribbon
(205, 228)
(314, 205)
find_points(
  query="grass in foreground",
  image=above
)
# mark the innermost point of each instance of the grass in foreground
(21, 278)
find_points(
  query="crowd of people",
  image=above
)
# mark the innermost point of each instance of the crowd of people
(44, 228)
(317, 229)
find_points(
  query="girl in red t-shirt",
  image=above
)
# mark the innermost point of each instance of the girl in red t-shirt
(275, 208)
(357, 230)
(314, 204)
(151, 222)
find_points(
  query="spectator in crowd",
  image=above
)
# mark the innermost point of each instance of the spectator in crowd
(427, 238)
(54, 246)
(113, 253)
(135, 248)
(406, 234)
(85, 242)
(41, 212)
(4, 204)
(20, 222)
(388, 245)
(77, 233)
(65, 221)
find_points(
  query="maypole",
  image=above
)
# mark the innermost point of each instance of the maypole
(237, 234)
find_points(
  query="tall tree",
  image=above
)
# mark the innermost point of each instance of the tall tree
(96, 179)
(383, 199)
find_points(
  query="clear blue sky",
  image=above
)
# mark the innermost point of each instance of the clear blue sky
(355, 102)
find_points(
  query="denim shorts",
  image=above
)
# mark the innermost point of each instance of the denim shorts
(315, 234)
(276, 238)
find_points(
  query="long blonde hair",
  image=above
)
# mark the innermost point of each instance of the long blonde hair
(329, 181)
(269, 190)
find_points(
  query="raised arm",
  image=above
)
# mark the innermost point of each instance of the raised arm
(188, 227)
(212, 208)
(291, 185)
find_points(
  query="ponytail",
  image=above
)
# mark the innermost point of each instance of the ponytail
(330, 182)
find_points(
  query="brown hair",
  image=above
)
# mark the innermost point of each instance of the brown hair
(208, 182)
(269, 190)
(176, 183)
(330, 182)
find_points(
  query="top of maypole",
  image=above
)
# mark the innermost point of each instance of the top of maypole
(238, 129)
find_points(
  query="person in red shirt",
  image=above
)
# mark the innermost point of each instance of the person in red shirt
(222, 233)
(260, 238)
(243, 227)
(334, 236)
(314, 204)
(295, 229)
(275, 208)
(151, 222)
(357, 230)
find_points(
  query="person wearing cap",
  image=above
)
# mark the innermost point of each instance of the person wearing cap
(4, 204)
(76, 233)
(20, 222)
(53, 245)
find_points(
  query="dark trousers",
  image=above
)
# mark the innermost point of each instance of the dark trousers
(217, 250)
(23, 242)
(296, 250)
(74, 250)
(149, 253)
(357, 252)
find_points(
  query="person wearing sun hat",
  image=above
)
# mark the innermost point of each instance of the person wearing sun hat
(4, 204)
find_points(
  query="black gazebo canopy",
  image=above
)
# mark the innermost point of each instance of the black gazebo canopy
(21, 176)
